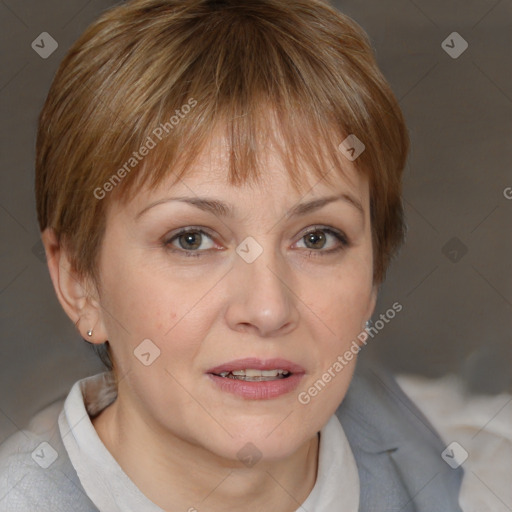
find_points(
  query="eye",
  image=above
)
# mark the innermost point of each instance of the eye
(190, 241)
(194, 242)
(317, 239)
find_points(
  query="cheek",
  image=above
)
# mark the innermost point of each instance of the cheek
(149, 294)
(141, 304)
(343, 300)
(138, 303)
(134, 309)
(340, 311)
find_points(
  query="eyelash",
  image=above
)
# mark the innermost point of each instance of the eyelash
(340, 236)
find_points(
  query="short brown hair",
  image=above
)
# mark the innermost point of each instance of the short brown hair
(208, 62)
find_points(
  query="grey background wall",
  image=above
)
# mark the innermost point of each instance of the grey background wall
(453, 276)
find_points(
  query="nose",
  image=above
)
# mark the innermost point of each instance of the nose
(261, 298)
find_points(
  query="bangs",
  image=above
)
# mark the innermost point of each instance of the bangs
(264, 90)
(304, 150)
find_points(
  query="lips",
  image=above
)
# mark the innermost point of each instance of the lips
(257, 379)
(253, 363)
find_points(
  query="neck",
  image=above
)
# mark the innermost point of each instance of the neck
(161, 465)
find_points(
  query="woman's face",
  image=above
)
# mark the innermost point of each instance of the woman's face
(198, 275)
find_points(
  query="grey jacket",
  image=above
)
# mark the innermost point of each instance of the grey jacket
(397, 452)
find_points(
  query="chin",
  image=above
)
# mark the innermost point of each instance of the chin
(267, 441)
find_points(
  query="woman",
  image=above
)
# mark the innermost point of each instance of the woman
(218, 189)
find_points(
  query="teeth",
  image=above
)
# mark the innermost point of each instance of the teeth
(259, 373)
(256, 375)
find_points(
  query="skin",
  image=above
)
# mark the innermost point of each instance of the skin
(295, 301)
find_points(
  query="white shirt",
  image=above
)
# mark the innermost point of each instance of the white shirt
(111, 490)
(482, 427)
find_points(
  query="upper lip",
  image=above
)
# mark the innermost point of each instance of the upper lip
(257, 364)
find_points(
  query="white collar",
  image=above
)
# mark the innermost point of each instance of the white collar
(111, 490)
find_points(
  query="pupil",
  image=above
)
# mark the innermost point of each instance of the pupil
(189, 239)
(314, 237)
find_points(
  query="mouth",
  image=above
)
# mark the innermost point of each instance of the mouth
(253, 378)
(253, 375)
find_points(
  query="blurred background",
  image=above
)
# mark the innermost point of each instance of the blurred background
(448, 63)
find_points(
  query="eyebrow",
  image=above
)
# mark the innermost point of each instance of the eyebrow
(225, 210)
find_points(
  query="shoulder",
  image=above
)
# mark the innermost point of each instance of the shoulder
(397, 450)
(377, 405)
(35, 471)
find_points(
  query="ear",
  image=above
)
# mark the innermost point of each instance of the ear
(77, 295)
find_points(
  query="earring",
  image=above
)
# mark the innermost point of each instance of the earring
(89, 332)
(368, 324)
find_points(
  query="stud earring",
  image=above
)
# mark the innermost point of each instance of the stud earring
(89, 332)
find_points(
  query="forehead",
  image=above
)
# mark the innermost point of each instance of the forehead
(210, 172)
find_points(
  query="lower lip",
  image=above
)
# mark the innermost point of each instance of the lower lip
(262, 390)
